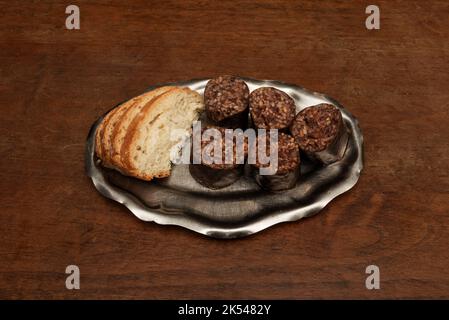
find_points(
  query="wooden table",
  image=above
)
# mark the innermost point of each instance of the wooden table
(55, 82)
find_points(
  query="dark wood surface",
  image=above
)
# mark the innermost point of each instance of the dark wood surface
(55, 82)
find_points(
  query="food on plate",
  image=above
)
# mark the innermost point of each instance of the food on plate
(271, 108)
(126, 117)
(213, 170)
(114, 126)
(321, 133)
(226, 101)
(288, 162)
(135, 138)
(100, 139)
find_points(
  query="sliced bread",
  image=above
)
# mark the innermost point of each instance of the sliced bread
(124, 120)
(109, 128)
(145, 151)
(99, 134)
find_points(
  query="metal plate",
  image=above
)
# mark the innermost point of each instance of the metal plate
(242, 208)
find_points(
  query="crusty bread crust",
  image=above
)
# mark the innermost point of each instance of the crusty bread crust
(122, 125)
(100, 134)
(109, 129)
(105, 136)
(98, 138)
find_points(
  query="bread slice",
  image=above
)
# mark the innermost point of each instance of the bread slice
(145, 152)
(120, 127)
(99, 134)
(98, 139)
(108, 129)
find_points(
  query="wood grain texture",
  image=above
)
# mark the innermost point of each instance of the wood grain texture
(55, 82)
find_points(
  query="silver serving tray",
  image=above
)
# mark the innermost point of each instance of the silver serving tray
(242, 208)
